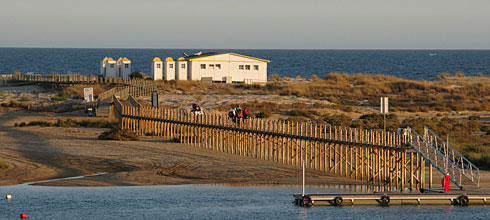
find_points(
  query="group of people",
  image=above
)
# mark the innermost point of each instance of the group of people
(196, 109)
(237, 112)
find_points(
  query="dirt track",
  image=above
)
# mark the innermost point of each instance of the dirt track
(40, 153)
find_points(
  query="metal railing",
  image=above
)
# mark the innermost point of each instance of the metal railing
(468, 169)
(435, 154)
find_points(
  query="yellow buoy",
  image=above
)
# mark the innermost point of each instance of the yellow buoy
(9, 197)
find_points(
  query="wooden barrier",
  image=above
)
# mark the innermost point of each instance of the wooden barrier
(73, 79)
(376, 157)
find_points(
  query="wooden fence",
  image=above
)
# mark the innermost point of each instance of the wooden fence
(377, 157)
(72, 79)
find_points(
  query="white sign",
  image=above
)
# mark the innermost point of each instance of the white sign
(88, 94)
(384, 105)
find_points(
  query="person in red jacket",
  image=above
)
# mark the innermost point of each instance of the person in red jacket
(446, 182)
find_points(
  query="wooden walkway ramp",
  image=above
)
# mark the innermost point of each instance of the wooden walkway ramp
(385, 199)
(392, 160)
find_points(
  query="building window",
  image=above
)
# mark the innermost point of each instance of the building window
(247, 67)
(218, 66)
(256, 67)
(112, 65)
(171, 65)
(203, 66)
(240, 67)
(126, 65)
(182, 66)
(211, 66)
(158, 65)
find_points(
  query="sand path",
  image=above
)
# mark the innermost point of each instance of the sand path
(39, 153)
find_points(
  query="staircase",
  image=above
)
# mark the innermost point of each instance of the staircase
(444, 157)
(104, 107)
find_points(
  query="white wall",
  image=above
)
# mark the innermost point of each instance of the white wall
(125, 72)
(111, 69)
(169, 70)
(157, 71)
(229, 67)
(181, 73)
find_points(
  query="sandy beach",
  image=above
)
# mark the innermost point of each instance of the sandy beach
(40, 153)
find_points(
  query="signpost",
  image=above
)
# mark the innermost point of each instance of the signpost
(88, 94)
(384, 109)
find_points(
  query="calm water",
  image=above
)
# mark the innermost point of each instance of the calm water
(411, 64)
(199, 202)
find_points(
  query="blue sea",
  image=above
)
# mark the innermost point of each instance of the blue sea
(200, 202)
(410, 64)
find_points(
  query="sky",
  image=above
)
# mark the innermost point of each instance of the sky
(246, 24)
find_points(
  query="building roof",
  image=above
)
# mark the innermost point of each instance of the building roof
(125, 59)
(120, 59)
(181, 59)
(210, 54)
(105, 59)
(169, 59)
(110, 59)
(157, 59)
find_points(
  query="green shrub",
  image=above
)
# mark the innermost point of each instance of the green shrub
(72, 123)
(59, 98)
(136, 75)
(119, 135)
(263, 114)
(3, 165)
(24, 98)
(376, 121)
(337, 120)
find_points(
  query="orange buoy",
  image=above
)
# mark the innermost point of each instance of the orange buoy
(23, 215)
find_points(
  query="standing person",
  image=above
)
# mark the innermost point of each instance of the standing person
(232, 112)
(446, 181)
(245, 112)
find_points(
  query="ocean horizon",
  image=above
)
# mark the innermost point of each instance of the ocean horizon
(409, 64)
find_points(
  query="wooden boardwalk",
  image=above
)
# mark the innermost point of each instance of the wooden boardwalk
(376, 157)
(385, 199)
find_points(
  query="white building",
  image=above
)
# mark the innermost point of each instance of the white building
(222, 67)
(111, 68)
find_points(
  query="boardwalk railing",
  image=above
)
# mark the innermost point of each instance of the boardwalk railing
(452, 156)
(126, 91)
(72, 79)
(376, 157)
(443, 157)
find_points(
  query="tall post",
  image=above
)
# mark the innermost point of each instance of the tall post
(303, 187)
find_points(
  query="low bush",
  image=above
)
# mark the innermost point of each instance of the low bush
(3, 165)
(119, 135)
(59, 98)
(71, 123)
(264, 114)
(336, 120)
(24, 98)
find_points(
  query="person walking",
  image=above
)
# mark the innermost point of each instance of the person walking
(446, 181)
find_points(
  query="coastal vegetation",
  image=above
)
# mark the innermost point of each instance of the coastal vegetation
(118, 135)
(137, 75)
(3, 165)
(449, 94)
(76, 91)
(92, 123)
